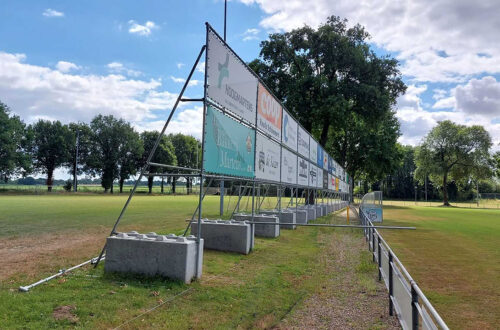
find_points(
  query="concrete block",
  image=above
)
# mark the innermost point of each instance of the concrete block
(324, 209)
(311, 212)
(319, 210)
(261, 230)
(154, 255)
(287, 218)
(300, 215)
(229, 236)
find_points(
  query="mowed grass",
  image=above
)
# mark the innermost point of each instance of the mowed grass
(454, 255)
(257, 290)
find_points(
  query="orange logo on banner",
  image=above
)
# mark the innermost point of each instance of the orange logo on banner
(268, 107)
(336, 184)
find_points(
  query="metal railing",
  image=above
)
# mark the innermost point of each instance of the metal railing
(406, 299)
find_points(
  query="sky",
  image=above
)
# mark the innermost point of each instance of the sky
(71, 60)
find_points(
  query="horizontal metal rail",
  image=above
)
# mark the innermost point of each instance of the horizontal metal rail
(60, 273)
(326, 225)
(174, 167)
(396, 267)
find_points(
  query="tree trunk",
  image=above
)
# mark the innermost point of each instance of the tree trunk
(324, 131)
(162, 182)
(121, 184)
(111, 188)
(50, 179)
(174, 181)
(150, 184)
(445, 190)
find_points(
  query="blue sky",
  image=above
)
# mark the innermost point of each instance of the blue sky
(70, 60)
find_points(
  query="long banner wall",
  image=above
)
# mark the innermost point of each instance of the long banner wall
(263, 141)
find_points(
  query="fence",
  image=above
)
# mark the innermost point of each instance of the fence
(406, 299)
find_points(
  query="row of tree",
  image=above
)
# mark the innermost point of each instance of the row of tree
(107, 147)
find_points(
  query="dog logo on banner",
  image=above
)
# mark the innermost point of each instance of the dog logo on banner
(223, 71)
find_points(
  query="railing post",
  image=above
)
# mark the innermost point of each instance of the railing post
(379, 259)
(414, 310)
(373, 243)
(391, 288)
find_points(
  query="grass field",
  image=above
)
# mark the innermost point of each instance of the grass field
(483, 204)
(283, 276)
(454, 255)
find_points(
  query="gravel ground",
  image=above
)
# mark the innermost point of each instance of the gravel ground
(351, 296)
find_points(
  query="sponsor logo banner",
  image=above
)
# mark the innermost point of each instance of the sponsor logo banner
(313, 175)
(337, 184)
(325, 179)
(303, 142)
(331, 182)
(313, 150)
(319, 182)
(325, 160)
(229, 81)
(229, 146)
(269, 113)
(288, 166)
(319, 157)
(374, 214)
(303, 172)
(289, 131)
(331, 165)
(267, 159)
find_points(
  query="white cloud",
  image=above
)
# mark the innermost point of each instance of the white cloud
(201, 67)
(251, 34)
(142, 30)
(192, 82)
(439, 93)
(438, 41)
(479, 96)
(117, 67)
(180, 65)
(52, 13)
(64, 66)
(34, 91)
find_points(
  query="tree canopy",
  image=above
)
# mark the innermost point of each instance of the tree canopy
(454, 152)
(340, 90)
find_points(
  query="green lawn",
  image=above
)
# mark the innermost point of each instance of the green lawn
(257, 290)
(454, 255)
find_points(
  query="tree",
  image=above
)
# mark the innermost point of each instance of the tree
(187, 151)
(51, 147)
(110, 143)
(164, 154)
(454, 152)
(496, 158)
(14, 144)
(131, 152)
(340, 90)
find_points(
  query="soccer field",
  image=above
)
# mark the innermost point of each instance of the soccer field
(42, 234)
(454, 255)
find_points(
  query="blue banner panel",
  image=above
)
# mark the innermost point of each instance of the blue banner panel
(319, 157)
(229, 146)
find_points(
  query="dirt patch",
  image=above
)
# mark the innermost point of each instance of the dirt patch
(343, 301)
(65, 313)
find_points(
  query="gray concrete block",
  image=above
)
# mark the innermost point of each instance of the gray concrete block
(300, 215)
(311, 212)
(319, 210)
(229, 236)
(324, 209)
(287, 219)
(154, 255)
(261, 230)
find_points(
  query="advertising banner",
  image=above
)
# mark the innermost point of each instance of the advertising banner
(230, 83)
(303, 142)
(374, 214)
(336, 184)
(267, 159)
(331, 182)
(313, 150)
(313, 175)
(289, 131)
(325, 179)
(288, 166)
(269, 112)
(303, 172)
(331, 165)
(319, 157)
(228, 146)
(325, 160)
(319, 182)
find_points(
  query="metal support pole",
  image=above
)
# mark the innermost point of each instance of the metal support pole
(153, 150)
(379, 252)
(414, 309)
(75, 169)
(221, 207)
(391, 287)
(252, 226)
(225, 18)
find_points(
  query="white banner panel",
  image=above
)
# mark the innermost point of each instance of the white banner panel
(303, 172)
(331, 182)
(229, 81)
(288, 166)
(313, 150)
(303, 142)
(313, 175)
(319, 182)
(325, 160)
(289, 131)
(269, 113)
(267, 159)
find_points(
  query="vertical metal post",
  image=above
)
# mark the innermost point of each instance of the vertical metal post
(252, 225)
(225, 18)
(414, 310)
(75, 169)
(391, 287)
(379, 252)
(221, 206)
